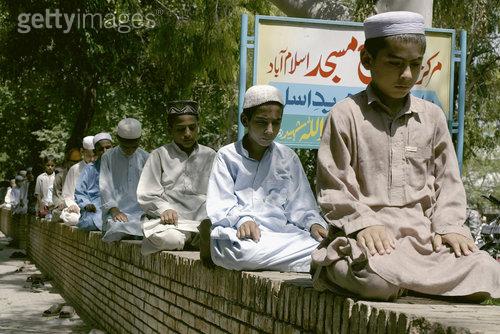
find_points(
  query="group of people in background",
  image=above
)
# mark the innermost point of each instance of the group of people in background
(16, 193)
(389, 194)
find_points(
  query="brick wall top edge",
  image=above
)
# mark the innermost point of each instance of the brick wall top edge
(176, 266)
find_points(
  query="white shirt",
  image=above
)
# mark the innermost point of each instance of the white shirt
(118, 179)
(173, 180)
(273, 192)
(43, 183)
(68, 190)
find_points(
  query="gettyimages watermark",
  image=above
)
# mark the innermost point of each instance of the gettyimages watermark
(55, 19)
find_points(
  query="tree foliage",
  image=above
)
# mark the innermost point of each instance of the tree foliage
(58, 85)
(480, 18)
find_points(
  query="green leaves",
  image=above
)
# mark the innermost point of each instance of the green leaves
(60, 84)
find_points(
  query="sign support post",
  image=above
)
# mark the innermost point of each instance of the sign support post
(461, 98)
(243, 70)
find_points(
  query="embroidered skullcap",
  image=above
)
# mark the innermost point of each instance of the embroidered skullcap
(260, 94)
(101, 136)
(129, 128)
(183, 107)
(88, 143)
(393, 23)
(23, 173)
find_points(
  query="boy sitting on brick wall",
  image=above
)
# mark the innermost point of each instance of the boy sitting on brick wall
(173, 185)
(389, 184)
(259, 200)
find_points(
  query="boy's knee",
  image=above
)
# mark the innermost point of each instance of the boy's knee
(364, 282)
(170, 239)
(378, 288)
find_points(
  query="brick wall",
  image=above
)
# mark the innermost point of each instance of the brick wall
(5, 223)
(117, 289)
(15, 226)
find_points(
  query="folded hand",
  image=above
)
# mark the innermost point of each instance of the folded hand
(249, 229)
(169, 217)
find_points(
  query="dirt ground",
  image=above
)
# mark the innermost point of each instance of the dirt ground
(22, 303)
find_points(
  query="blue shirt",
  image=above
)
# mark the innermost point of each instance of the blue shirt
(87, 192)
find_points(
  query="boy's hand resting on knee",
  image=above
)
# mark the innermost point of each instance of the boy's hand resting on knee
(318, 232)
(457, 242)
(118, 215)
(169, 217)
(376, 239)
(249, 230)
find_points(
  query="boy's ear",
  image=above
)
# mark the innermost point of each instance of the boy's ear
(244, 120)
(366, 59)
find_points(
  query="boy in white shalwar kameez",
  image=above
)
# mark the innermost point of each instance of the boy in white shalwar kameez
(71, 212)
(173, 185)
(119, 175)
(43, 187)
(263, 211)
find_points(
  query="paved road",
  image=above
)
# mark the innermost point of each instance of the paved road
(21, 306)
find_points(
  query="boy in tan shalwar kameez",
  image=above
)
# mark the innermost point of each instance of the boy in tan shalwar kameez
(390, 187)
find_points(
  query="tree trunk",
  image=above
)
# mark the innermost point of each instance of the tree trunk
(340, 9)
(423, 7)
(317, 9)
(84, 116)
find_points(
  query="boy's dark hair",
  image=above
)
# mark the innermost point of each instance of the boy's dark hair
(248, 112)
(49, 158)
(374, 45)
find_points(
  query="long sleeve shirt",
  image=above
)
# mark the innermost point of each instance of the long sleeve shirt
(57, 197)
(400, 172)
(68, 190)
(87, 187)
(87, 192)
(369, 161)
(173, 180)
(43, 183)
(15, 199)
(8, 198)
(119, 178)
(273, 192)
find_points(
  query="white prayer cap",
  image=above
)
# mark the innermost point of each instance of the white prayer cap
(88, 143)
(19, 178)
(260, 94)
(101, 136)
(23, 173)
(129, 128)
(393, 23)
